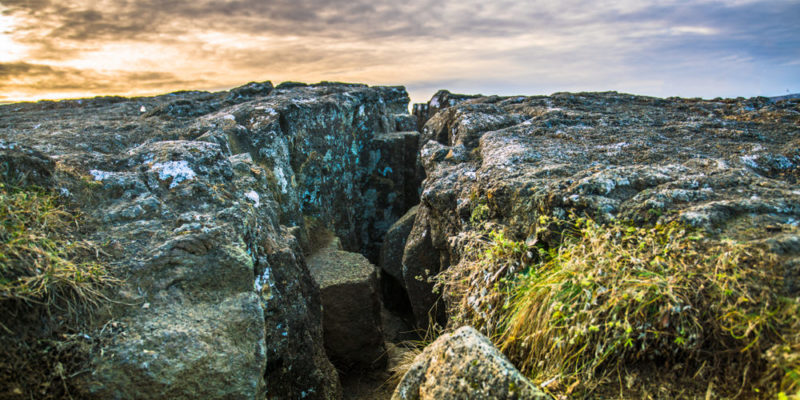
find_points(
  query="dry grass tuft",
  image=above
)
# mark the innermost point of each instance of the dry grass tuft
(402, 363)
(51, 283)
(42, 259)
(610, 296)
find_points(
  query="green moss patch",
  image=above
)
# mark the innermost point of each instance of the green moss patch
(41, 257)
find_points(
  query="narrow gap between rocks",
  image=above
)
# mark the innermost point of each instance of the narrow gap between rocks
(367, 317)
(368, 323)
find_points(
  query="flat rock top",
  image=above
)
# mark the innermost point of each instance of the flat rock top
(331, 267)
(614, 155)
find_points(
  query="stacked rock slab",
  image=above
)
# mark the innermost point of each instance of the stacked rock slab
(196, 198)
(464, 365)
(350, 307)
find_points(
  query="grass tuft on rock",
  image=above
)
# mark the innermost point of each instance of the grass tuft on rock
(609, 296)
(51, 285)
(42, 261)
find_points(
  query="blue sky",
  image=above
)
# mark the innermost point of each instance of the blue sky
(54, 49)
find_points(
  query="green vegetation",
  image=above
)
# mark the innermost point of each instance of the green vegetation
(51, 283)
(41, 259)
(479, 214)
(609, 296)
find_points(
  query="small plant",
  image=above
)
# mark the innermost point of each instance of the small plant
(480, 213)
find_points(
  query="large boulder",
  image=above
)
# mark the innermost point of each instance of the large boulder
(464, 365)
(502, 163)
(197, 199)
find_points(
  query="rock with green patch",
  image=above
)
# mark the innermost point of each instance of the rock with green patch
(728, 167)
(197, 199)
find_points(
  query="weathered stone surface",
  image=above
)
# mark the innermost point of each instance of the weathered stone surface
(22, 165)
(350, 308)
(395, 183)
(728, 166)
(331, 153)
(421, 262)
(464, 365)
(200, 198)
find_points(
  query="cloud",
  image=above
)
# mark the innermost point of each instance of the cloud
(660, 48)
(29, 78)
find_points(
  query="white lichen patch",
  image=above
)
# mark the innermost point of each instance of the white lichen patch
(281, 178)
(254, 197)
(100, 175)
(750, 161)
(179, 171)
(614, 148)
(263, 285)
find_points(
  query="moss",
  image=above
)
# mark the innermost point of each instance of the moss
(480, 213)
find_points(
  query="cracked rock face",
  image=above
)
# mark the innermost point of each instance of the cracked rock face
(730, 167)
(198, 198)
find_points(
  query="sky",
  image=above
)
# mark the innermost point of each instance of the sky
(51, 49)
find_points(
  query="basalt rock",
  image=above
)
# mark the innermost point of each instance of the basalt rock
(394, 244)
(464, 365)
(441, 100)
(200, 199)
(730, 167)
(21, 165)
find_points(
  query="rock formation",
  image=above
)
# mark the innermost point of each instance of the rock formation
(728, 166)
(210, 208)
(195, 195)
(351, 308)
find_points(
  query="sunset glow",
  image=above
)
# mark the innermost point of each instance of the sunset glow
(666, 48)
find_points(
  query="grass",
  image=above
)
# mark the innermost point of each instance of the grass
(42, 260)
(51, 283)
(609, 296)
